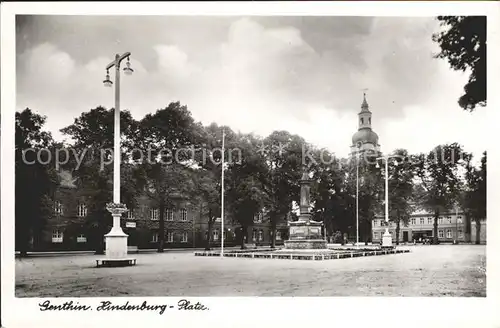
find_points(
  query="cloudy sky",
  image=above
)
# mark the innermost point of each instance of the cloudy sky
(255, 74)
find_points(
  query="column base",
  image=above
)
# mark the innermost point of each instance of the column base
(387, 240)
(116, 245)
(116, 240)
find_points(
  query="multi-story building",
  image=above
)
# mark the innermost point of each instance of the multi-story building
(420, 226)
(186, 225)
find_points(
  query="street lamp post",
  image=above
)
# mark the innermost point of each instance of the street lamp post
(357, 199)
(116, 239)
(222, 195)
(386, 238)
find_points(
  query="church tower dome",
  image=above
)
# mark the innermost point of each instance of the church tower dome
(365, 139)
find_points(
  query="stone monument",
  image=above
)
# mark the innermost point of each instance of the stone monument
(305, 233)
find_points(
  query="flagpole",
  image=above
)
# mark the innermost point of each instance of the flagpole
(222, 198)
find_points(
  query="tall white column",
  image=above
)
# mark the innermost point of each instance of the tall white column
(116, 144)
(387, 238)
(116, 239)
(357, 199)
(222, 198)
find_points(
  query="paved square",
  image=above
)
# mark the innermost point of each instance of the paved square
(442, 270)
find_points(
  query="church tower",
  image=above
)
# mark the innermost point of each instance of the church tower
(365, 140)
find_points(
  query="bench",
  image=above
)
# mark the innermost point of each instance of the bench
(115, 262)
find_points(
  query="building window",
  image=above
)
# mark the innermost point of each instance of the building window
(369, 120)
(170, 215)
(459, 219)
(81, 238)
(361, 121)
(448, 233)
(184, 237)
(375, 235)
(460, 233)
(258, 217)
(261, 235)
(154, 238)
(58, 208)
(130, 215)
(153, 214)
(82, 210)
(449, 219)
(441, 234)
(183, 214)
(57, 236)
(429, 220)
(440, 220)
(170, 237)
(215, 234)
(413, 221)
(254, 235)
(278, 235)
(422, 220)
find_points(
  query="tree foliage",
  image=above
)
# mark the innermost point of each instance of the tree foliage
(279, 175)
(401, 189)
(92, 137)
(463, 45)
(167, 140)
(474, 194)
(35, 178)
(438, 172)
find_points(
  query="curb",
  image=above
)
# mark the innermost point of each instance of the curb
(313, 257)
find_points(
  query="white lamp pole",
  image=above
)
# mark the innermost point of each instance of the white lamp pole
(116, 239)
(357, 199)
(387, 238)
(222, 197)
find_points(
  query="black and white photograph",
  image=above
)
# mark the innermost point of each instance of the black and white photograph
(222, 163)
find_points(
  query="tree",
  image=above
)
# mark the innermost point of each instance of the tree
(208, 179)
(474, 195)
(92, 136)
(329, 195)
(208, 188)
(35, 178)
(166, 185)
(95, 131)
(279, 175)
(439, 178)
(167, 140)
(463, 44)
(401, 189)
(370, 191)
(244, 193)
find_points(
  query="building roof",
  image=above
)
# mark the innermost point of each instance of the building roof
(365, 135)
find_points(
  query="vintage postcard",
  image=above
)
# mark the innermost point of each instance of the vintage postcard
(303, 163)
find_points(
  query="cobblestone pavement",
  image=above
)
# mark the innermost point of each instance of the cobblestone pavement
(440, 270)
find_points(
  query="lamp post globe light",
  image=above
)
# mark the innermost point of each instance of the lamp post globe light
(387, 237)
(116, 239)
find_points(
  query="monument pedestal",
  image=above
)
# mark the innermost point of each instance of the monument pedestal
(387, 240)
(305, 234)
(116, 241)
